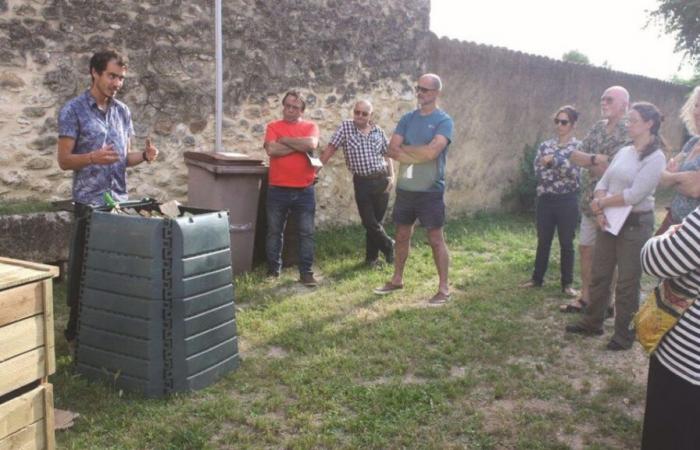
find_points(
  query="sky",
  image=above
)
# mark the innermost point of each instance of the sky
(606, 31)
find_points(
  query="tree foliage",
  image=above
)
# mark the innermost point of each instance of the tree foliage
(575, 56)
(681, 18)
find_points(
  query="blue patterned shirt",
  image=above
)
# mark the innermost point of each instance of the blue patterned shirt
(80, 119)
(681, 205)
(561, 176)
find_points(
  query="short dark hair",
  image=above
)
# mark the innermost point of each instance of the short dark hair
(296, 95)
(100, 60)
(570, 112)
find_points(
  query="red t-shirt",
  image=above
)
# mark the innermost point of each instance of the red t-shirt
(294, 169)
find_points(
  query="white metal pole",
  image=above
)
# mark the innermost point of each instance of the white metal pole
(219, 73)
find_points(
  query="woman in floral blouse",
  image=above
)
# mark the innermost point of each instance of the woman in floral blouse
(557, 199)
(686, 161)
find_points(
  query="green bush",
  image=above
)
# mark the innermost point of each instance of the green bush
(522, 193)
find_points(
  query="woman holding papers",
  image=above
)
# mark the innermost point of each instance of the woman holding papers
(624, 208)
(557, 200)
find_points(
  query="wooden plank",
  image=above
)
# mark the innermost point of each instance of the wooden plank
(22, 411)
(48, 271)
(14, 272)
(20, 337)
(21, 302)
(48, 327)
(49, 428)
(28, 438)
(22, 370)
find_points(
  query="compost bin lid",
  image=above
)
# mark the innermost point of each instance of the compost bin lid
(223, 158)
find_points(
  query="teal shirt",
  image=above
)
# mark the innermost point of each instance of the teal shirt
(416, 129)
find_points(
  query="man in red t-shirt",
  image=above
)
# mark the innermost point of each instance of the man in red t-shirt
(289, 143)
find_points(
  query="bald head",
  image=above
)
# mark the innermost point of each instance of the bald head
(614, 103)
(365, 105)
(434, 81)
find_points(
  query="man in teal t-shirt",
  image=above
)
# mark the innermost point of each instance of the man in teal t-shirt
(420, 144)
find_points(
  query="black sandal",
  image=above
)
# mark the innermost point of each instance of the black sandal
(576, 307)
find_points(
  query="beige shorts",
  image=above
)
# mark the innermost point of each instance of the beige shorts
(588, 231)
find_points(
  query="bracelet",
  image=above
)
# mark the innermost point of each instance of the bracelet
(593, 163)
(143, 155)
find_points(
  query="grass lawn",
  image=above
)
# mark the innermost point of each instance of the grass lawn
(339, 367)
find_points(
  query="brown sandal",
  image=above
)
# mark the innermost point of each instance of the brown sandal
(577, 306)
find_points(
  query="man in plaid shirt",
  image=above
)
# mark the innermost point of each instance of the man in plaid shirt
(365, 146)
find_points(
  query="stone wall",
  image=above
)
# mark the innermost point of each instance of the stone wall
(334, 51)
(502, 100)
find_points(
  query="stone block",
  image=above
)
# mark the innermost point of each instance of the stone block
(40, 237)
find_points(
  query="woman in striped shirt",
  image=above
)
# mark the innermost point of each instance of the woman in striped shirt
(673, 387)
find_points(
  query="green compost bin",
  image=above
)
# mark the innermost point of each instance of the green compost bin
(157, 311)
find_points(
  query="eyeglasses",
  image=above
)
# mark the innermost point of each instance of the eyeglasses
(423, 90)
(361, 113)
(607, 100)
(563, 122)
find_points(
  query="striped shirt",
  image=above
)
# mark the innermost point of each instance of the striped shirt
(676, 257)
(364, 154)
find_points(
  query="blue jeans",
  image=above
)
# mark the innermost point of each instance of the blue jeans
(301, 202)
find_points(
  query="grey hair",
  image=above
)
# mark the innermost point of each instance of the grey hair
(437, 82)
(365, 102)
(687, 111)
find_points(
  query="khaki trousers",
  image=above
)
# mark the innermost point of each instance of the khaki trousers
(622, 251)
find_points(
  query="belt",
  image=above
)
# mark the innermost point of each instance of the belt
(290, 188)
(634, 217)
(372, 176)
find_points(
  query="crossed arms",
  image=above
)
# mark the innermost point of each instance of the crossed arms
(412, 154)
(286, 145)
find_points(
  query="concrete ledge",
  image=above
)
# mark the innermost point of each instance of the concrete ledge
(40, 237)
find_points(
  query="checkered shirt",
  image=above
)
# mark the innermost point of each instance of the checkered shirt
(364, 154)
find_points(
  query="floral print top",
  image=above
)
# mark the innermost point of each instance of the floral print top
(561, 176)
(80, 119)
(681, 205)
(600, 143)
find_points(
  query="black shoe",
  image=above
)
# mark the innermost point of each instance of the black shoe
(308, 280)
(616, 347)
(579, 329)
(372, 263)
(272, 274)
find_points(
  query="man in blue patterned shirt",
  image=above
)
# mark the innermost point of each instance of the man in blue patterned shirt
(94, 141)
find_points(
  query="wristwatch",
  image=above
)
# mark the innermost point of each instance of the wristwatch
(593, 163)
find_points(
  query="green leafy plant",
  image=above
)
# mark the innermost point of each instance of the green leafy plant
(522, 194)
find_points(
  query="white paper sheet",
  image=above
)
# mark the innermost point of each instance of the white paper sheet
(616, 216)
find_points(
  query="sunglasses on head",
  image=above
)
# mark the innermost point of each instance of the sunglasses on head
(423, 90)
(361, 113)
(561, 122)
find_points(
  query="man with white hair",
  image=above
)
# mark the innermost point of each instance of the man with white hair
(365, 146)
(420, 143)
(597, 149)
